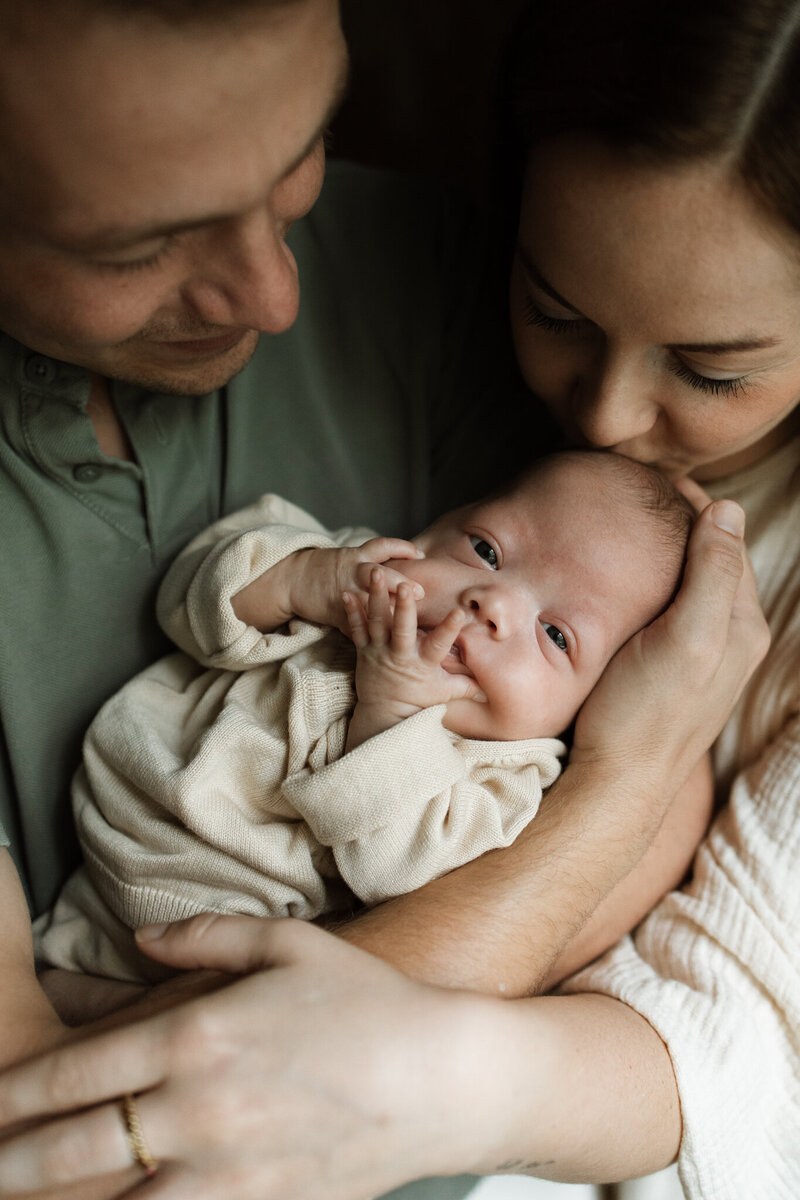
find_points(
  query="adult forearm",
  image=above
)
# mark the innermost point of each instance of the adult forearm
(576, 1089)
(500, 923)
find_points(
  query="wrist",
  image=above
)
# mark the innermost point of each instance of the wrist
(314, 586)
(370, 719)
(631, 796)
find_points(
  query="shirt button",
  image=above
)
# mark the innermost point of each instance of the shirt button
(87, 473)
(39, 369)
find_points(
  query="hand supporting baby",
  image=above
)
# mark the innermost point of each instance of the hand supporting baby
(399, 668)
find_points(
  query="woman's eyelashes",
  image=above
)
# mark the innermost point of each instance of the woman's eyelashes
(703, 383)
(580, 325)
(484, 551)
(535, 316)
(556, 636)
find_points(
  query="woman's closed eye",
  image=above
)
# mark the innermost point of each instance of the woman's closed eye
(555, 635)
(485, 551)
(535, 316)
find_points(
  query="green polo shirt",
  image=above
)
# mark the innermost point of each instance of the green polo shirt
(391, 398)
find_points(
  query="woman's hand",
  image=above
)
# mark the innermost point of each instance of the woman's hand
(667, 693)
(288, 1083)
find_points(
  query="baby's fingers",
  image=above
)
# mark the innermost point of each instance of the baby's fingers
(363, 574)
(464, 687)
(379, 609)
(381, 549)
(404, 622)
(356, 620)
(436, 646)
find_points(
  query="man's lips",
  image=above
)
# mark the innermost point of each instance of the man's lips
(215, 344)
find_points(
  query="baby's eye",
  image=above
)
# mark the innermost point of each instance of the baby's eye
(555, 635)
(484, 551)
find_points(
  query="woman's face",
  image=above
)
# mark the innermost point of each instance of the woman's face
(656, 311)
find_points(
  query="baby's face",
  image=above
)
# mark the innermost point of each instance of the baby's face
(553, 579)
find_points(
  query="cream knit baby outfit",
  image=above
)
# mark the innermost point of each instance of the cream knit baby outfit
(222, 784)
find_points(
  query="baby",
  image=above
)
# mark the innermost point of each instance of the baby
(285, 767)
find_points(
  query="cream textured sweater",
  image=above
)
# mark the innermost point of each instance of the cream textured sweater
(222, 784)
(715, 968)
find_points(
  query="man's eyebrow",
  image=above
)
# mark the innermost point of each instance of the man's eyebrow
(727, 347)
(118, 238)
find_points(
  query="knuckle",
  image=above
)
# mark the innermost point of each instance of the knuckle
(196, 1033)
(63, 1080)
(725, 559)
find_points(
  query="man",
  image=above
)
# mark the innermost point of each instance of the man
(155, 156)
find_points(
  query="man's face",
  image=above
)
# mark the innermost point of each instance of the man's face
(553, 578)
(149, 176)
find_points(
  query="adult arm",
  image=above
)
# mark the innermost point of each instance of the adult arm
(488, 926)
(28, 1022)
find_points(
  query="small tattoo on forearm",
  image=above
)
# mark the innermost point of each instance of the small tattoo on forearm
(520, 1166)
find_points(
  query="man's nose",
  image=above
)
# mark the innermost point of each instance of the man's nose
(614, 402)
(492, 606)
(248, 276)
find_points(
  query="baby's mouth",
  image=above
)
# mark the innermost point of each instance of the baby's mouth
(454, 659)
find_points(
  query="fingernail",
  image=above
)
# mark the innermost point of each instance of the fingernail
(728, 515)
(480, 697)
(420, 553)
(419, 591)
(150, 933)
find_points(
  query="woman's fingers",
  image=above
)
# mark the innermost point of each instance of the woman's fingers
(667, 693)
(716, 612)
(239, 945)
(89, 1144)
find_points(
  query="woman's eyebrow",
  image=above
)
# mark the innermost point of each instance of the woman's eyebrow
(744, 343)
(538, 278)
(728, 347)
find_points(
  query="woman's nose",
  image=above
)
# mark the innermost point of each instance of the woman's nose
(613, 402)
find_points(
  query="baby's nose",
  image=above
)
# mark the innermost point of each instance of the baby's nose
(492, 607)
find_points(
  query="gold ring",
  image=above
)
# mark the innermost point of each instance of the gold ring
(133, 1128)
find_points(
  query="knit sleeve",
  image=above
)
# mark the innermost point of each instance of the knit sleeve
(194, 603)
(415, 802)
(714, 970)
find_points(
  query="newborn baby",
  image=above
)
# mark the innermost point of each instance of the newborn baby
(284, 767)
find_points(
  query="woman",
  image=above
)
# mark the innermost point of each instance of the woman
(656, 309)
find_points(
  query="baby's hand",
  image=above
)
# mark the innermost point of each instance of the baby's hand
(399, 669)
(323, 575)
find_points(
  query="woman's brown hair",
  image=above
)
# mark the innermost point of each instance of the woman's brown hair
(663, 81)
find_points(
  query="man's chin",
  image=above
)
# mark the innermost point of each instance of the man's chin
(161, 371)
